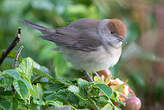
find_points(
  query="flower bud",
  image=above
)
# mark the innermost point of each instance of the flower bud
(133, 103)
(105, 73)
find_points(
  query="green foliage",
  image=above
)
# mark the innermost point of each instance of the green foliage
(21, 89)
(137, 65)
(105, 89)
(30, 86)
(4, 104)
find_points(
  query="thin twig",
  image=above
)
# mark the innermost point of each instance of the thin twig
(11, 46)
(17, 56)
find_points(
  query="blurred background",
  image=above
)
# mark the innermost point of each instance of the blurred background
(142, 61)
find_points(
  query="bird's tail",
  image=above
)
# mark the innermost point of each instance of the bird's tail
(38, 27)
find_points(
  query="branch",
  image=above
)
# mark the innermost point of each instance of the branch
(11, 46)
(17, 56)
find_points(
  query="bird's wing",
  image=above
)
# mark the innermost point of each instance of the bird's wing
(75, 39)
(79, 35)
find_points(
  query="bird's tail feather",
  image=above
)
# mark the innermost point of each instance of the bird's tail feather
(49, 37)
(38, 27)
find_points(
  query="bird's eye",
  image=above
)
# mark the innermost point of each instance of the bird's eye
(112, 32)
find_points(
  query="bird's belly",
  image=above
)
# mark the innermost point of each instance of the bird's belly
(92, 61)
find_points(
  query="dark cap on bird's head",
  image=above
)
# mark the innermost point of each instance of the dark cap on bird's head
(117, 26)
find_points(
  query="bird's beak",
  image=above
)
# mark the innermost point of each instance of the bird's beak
(121, 39)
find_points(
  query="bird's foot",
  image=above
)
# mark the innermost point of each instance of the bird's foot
(89, 78)
(97, 74)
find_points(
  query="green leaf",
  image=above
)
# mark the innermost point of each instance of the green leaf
(12, 73)
(15, 104)
(68, 96)
(26, 67)
(83, 87)
(84, 90)
(73, 99)
(51, 96)
(30, 87)
(4, 104)
(41, 68)
(5, 81)
(38, 99)
(41, 73)
(102, 100)
(21, 89)
(105, 89)
(82, 82)
(73, 89)
(55, 87)
(62, 94)
(94, 104)
(54, 103)
(107, 107)
(6, 93)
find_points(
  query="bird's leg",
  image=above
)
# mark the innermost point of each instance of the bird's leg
(90, 79)
(97, 74)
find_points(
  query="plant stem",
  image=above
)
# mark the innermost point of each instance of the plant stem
(17, 56)
(11, 46)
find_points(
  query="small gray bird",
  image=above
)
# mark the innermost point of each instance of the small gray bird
(89, 44)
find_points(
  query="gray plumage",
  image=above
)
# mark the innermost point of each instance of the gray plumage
(79, 35)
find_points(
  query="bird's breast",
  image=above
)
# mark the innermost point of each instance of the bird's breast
(93, 61)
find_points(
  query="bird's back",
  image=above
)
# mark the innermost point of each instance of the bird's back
(85, 24)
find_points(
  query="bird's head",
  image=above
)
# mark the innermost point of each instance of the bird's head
(113, 31)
